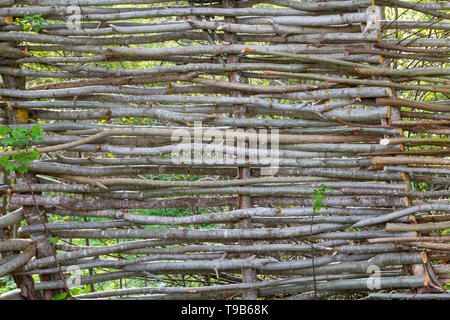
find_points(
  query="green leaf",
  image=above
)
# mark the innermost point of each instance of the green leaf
(8, 141)
(60, 296)
(37, 130)
(75, 291)
(34, 154)
(22, 157)
(21, 143)
(19, 133)
(4, 160)
(18, 139)
(22, 170)
(11, 166)
(27, 18)
(53, 239)
(37, 139)
(4, 130)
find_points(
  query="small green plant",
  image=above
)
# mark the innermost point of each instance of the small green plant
(53, 239)
(7, 284)
(31, 23)
(18, 141)
(60, 296)
(75, 291)
(318, 196)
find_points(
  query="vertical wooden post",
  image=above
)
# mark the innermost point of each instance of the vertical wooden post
(32, 214)
(25, 283)
(248, 275)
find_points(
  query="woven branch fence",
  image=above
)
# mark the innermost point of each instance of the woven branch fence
(278, 100)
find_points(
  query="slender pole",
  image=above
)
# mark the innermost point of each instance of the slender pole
(248, 275)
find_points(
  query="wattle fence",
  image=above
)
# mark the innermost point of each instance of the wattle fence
(227, 149)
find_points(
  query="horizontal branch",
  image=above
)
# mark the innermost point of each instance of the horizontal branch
(393, 227)
(18, 261)
(401, 213)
